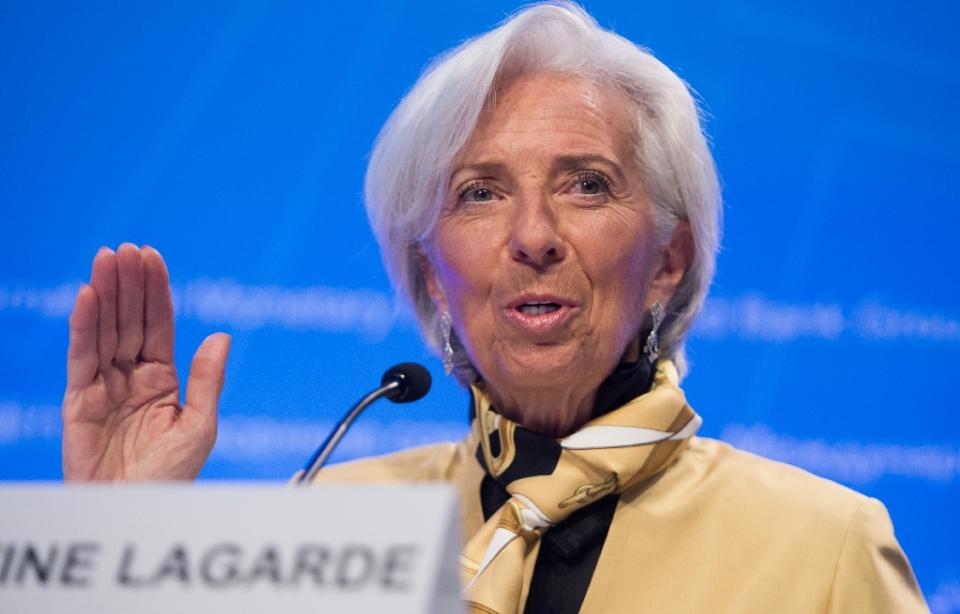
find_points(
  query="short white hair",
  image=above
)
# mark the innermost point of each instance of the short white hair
(411, 164)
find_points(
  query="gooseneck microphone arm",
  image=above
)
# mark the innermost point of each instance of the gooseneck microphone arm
(401, 383)
(323, 453)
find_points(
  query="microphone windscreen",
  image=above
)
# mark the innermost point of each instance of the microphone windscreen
(414, 380)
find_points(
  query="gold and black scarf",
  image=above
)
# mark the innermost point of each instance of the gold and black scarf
(549, 479)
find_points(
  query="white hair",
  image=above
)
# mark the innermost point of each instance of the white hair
(411, 164)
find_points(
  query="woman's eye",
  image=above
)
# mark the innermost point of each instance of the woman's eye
(475, 194)
(590, 183)
(589, 186)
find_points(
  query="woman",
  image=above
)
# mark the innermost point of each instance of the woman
(545, 198)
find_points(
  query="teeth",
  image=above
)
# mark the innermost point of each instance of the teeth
(538, 309)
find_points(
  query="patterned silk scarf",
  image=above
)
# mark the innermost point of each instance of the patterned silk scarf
(550, 479)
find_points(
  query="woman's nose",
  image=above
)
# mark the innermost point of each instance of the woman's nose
(534, 236)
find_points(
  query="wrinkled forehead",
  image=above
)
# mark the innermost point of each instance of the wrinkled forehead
(550, 110)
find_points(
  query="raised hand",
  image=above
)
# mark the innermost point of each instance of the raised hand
(122, 417)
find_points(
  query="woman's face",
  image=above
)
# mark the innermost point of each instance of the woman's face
(545, 251)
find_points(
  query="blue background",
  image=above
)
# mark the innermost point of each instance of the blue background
(233, 137)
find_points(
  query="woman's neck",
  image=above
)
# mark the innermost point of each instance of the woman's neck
(557, 413)
(551, 412)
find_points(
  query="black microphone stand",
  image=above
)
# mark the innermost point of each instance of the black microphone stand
(323, 453)
(401, 383)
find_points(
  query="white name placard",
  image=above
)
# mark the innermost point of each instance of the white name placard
(228, 548)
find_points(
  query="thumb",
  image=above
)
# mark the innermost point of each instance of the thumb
(206, 379)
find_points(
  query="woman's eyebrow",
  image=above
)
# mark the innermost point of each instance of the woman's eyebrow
(479, 168)
(579, 161)
(560, 163)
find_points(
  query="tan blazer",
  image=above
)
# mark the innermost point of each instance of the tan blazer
(720, 531)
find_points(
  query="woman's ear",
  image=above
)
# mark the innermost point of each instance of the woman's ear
(675, 258)
(434, 289)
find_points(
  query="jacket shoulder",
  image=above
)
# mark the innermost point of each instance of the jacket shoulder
(765, 484)
(838, 542)
(427, 463)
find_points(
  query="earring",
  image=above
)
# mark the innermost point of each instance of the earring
(652, 348)
(446, 327)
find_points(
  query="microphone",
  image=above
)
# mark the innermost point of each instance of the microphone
(412, 382)
(402, 383)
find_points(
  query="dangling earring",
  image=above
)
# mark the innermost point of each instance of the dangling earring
(446, 326)
(652, 348)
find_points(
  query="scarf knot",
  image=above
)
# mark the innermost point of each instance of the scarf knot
(549, 479)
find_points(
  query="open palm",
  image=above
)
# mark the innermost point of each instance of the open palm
(122, 416)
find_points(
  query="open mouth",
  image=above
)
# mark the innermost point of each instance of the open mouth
(541, 317)
(538, 308)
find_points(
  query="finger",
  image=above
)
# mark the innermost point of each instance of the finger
(82, 357)
(104, 281)
(206, 382)
(158, 309)
(129, 304)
